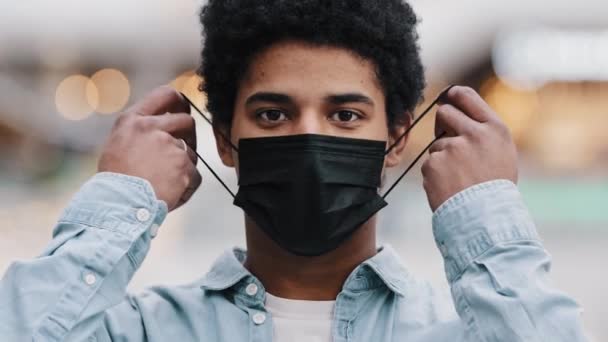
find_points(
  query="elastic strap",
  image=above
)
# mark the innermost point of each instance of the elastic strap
(424, 113)
(201, 158)
(210, 123)
(420, 117)
(411, 166)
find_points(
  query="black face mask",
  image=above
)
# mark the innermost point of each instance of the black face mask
(310, 193)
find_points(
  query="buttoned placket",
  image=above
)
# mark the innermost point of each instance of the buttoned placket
(357, 288)
(345, 313)
(252, 296)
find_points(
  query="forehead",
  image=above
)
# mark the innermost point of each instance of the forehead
(295, 67)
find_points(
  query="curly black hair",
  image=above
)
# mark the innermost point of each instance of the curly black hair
(382, 31)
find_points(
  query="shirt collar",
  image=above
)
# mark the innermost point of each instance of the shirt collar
(385, 267)
(226, 271)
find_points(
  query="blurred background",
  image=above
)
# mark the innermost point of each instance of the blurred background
(67, 66)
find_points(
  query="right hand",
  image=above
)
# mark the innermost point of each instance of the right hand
(145, 142)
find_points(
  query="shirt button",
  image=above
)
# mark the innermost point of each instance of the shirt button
(90, 279)
(259, 318)
(154, 230)
(143, 215)
(251, 289)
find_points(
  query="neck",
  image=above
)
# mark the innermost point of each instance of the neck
(307, 278)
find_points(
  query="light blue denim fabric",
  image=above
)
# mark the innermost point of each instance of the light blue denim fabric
(496, 265)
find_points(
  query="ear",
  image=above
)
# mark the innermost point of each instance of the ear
(223, 147)
(394, 157)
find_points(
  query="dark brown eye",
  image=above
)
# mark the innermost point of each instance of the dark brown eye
(272, 115)
(345, 116)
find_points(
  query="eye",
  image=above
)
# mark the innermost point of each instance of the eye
(272, 115)
(345, 116)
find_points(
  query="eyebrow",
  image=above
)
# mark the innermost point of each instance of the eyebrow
(335, 99)
(339, 99)
(269, 97)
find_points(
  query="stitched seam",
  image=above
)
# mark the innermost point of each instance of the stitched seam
(82, 306)
(466, 264)
(471, 314)
(110, 229)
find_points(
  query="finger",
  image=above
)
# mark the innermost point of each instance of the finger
(182, 127)
(188, 134)
(438, 146)
(468, 101)
(175, 124)
(452, 121)
(441, 145)
(442, 98)
(195, 182)
(429, 167)
(184, 146)
(161, 100)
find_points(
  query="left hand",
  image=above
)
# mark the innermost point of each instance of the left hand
(476, 148)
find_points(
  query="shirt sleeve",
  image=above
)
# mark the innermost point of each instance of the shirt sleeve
(498, 269)
(99, 242)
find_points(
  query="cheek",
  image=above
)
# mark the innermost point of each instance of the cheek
(377, 127)
(235, 160)
(380, 133)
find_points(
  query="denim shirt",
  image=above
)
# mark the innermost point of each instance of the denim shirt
(495, 263)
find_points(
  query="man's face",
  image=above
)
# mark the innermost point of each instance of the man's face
(294, 88)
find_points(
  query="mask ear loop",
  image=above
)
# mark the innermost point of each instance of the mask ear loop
(209, 122)
(201, 158)
(420, 117)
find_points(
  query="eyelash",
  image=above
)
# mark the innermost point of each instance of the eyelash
(259, 114)
(355, 115)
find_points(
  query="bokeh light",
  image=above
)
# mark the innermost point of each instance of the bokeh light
(516, 107)
(188, 83)
(109, 91)
(76, 97)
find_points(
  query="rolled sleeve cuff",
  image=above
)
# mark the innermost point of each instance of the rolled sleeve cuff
(116, 202)
(124, 205)
(478, 218)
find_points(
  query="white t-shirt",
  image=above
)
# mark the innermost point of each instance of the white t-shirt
(300, 320)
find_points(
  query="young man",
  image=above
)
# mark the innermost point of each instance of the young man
(306, 97)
